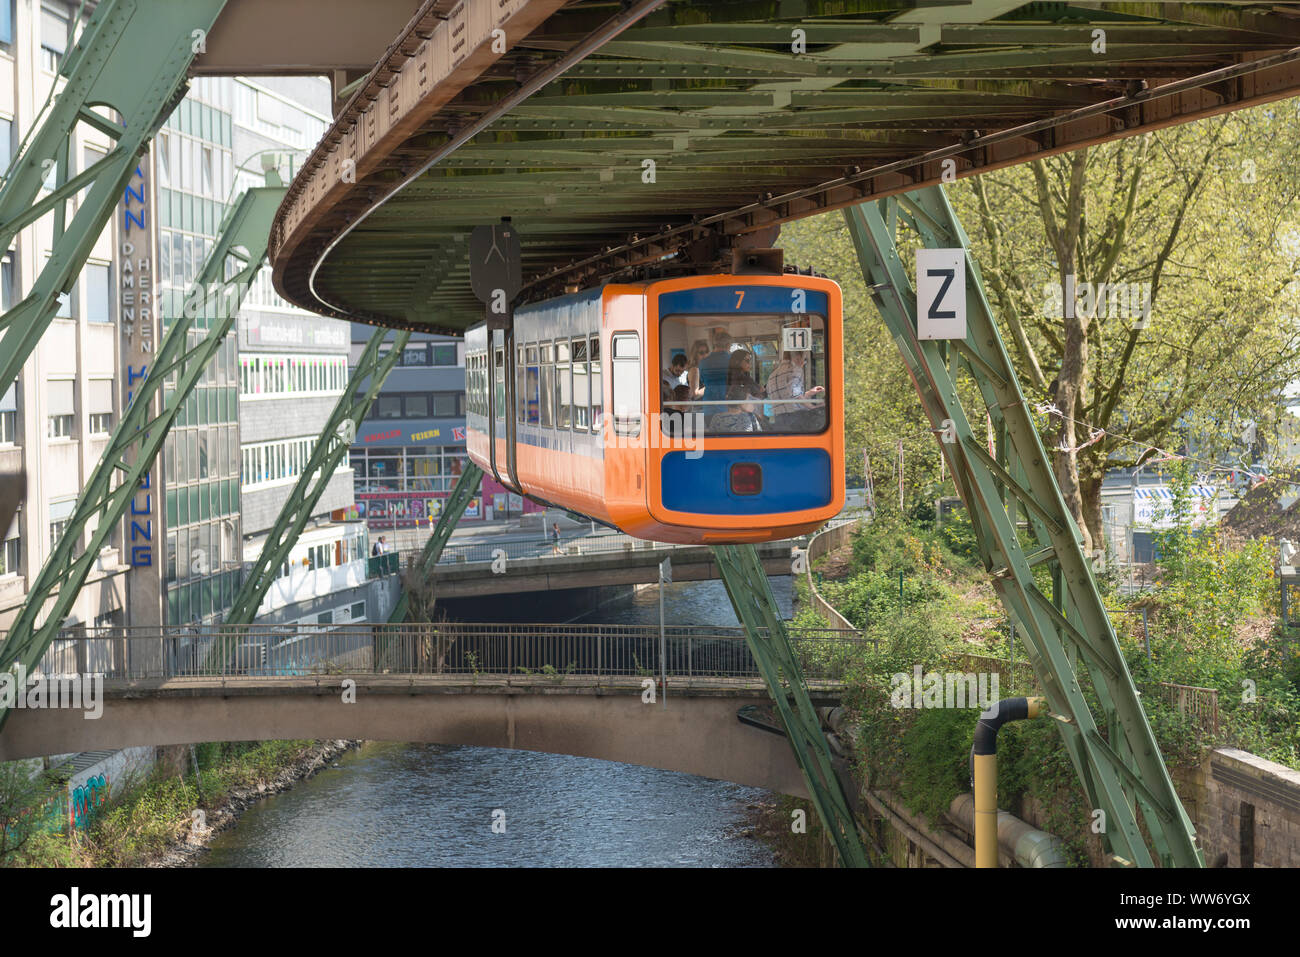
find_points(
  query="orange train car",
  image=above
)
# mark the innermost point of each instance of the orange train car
(698, 410)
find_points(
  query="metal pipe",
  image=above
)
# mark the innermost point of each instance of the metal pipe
(984, 771)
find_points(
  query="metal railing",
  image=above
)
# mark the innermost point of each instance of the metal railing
(450, 648)
(483, 552)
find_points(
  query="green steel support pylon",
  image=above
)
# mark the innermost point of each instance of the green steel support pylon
(1122, 771)
(465, 490)
(769, 642)
(131, 57)
(235, 260)
(336, 438)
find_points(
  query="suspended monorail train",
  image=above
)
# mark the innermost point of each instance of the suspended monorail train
(699, 410)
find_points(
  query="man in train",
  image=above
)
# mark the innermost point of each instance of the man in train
(787, 382)
(671, 378)
(713, 370)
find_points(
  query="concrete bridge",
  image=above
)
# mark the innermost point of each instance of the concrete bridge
(580, 690)
(508, 568)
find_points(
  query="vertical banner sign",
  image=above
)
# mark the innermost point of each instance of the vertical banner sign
(940, 294)
(139, 331)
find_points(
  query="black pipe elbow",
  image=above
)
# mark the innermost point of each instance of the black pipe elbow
(986, 731)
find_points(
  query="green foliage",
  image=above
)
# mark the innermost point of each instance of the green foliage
(144, 816)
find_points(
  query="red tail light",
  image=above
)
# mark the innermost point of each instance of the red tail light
(746, 478)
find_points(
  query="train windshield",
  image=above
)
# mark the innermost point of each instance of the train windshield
(739, 374)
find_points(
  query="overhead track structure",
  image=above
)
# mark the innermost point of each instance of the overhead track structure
(1070, 640)
(340, 429)
(236, 258)
(130, 60)
(659, 134)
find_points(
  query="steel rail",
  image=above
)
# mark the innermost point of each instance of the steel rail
(598, 38)
(973, 143)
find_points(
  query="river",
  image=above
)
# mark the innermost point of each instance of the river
(420, 805)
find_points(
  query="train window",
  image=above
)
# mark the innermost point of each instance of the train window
(626, 380)
(521, 393)
(547, 385)
(563, 395)
(760, 373)
(597, 397)
(531, 380)
(499, 379)
(581, 396)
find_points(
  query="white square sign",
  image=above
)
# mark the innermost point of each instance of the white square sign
(796, 339)
(940, 294)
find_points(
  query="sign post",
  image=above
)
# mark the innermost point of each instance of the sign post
(665, 575)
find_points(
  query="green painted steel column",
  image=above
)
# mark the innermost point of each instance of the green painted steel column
(465, 490)
(132, 57)
(1125, 772)
(137, 438)
(336, 438)
(769, 642)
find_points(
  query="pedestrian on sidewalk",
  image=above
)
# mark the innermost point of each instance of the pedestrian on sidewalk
(555, 537)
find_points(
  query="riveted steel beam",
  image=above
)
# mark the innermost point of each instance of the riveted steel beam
(104, 69)
(1069, 637)
(236, 257)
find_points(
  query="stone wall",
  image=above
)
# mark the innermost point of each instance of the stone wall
(1246, 809)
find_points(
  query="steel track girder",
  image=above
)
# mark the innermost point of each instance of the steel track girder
(336, 438)
(139, 435)
(1127, 772)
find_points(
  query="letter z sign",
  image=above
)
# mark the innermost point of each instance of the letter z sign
(941, 294)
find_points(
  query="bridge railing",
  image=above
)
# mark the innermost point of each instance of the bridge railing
(453, 648)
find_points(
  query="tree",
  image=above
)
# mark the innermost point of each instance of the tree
(1179, 247)
(1189, 234)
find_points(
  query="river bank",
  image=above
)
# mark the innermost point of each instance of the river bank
(185, 851)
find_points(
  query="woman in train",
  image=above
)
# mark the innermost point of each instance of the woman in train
(699, 350)
(740, 372)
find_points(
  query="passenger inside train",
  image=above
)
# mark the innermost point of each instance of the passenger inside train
(763, 373)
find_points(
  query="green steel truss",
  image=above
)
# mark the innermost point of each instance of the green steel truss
(452, 509)
(769, 641)
(132, 57)
(235, 260)
(336, 438)
(1069, 637)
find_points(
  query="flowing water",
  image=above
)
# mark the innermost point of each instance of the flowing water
(421, 805)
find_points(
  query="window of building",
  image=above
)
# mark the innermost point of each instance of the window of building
(358, 610)
(9, 416)
(325, 618)
(7, 274)
(417, 406)
(11, 555)
(60, 515)
(55, 21)
(444, 354)
(98, 283)
(7, 22)
(61, 408)
(389, 407)
(6, 130)
(100, 405)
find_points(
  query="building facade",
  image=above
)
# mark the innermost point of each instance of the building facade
(55, 420)
(410, 449)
